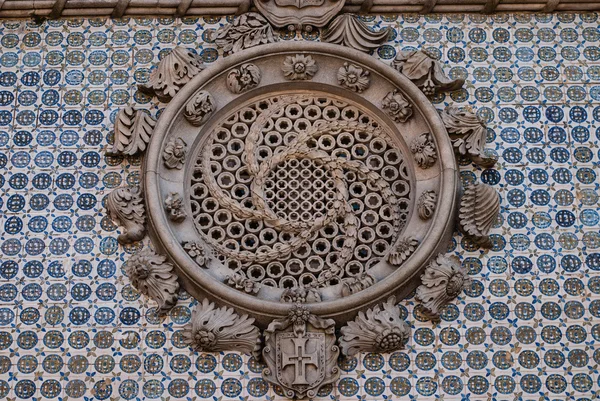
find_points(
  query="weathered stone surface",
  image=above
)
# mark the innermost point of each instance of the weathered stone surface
(479, 209)
(126, 206)
(246, 31)
(132, 132)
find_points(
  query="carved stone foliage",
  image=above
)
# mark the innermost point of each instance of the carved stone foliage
(426, 72)
(300, 295)
(300, 353)
(348, 30)
(246, 31)
(479, 209)
(379, 329)
(404, 248)
(213, 329)
(443, 280)
(353, 77)
(423, 150)
(174, 206)
(299, 14)
(199, 108)
(174, 71)
(174, 153)
(356, 284)
(242, 283)
(397, 107)
(132, 132)
(426, 204)
(125, 205)
(299, 67)
(153, 276)
(468, 134)
(197, 252)
(244, 78)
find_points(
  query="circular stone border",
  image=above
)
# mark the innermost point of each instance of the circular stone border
(401, 282)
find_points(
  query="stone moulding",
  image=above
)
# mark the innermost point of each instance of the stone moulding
(126, 206)
(348, 30)
(479, 209)
(132, 132)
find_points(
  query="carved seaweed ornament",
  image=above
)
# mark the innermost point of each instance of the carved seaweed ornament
(132, 132)
(126, 206)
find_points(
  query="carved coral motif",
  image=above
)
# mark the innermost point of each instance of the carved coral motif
(468, 134)
(404, 248)
(246, 31)
(172, 73)
(443, 280)
(426, 204)
(244, 78)
(126, 206)
(379, 329)
(300, 295)
(152, 276)
(479, 209)
(174, 206)
(348, 30)
(398, 108)
(299, 67)
(199, 108)
(197, 252)
(356, 284)
(426, 72)
(353, 77)
(215, 329)
(423, 149)
(132, 132)
(174, 153)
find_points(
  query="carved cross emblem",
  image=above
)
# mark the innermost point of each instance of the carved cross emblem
(300, 359)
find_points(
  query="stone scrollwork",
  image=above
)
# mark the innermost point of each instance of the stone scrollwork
(132, 132)
(199, 108)
(397, 107)
(353, 77)
(174, 206)
(299, 67)
(426, 204)
(213, 329)
(443, 280)
(423, 150)
(479, 209)
(174, 153)
(379, 329)
(348, 30)
(244, 78)
(172, 73)
(153, 276)
(404, 248)
(246, 31)
(125, 205)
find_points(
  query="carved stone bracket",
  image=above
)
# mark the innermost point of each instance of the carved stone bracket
(132, 132)
(479, 209)
(126, 206)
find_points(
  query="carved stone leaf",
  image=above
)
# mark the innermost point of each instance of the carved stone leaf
(246, 31)
(244, 78)
(132, 132)
(479, 209)
(379, 329)
(348, 30)
(426, 204)
(404, 248)
(125, 205)
(199, 108)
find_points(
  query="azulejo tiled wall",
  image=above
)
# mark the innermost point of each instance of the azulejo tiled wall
(72, 326)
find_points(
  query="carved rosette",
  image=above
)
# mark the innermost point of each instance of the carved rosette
(126, 206)
(299, 67)
(353, 77)
(174, 153)
(397, 107)
(132, 132)
(213, 329)
(423, 150)
(479, 209)
(246, 31)
(443, 280)
(426, 204)
(152, 276)
(244, 78)
(174, 206)
(199, 108)
(379, 329)
(348, 30)
(404, 248)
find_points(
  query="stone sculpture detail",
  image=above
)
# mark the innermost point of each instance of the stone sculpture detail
(357, 283)
(244, 78)
(299, 14)
(172, 73)
(242, 283)
(299, 67)
(152, 276)
(423, 149)
(125, 205)
(132, 132)
(174, 153)
(404, 248)
(398, 108)
(174, 206)
(353, 77)
(197, 252)
(246, 31)
(300, 353)
(443, 280)
(468, 134)
(379, 329)
(426, 72)
(426, 204)
(213, 329)
(348, 30)
(300, 295)
(199, 108)
(479, 209)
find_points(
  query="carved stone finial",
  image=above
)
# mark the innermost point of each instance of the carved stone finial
(468, 134)
(197, 252)
(244, 78)
(479, 209)
(299, 67)
(423, 149)
(300, 295)
(404, 248)
(199, 108)
(132, 132)
(348, 30)
(357, 284)
(242, 283)
(174, 71)
(174, 205)
(152, 276)
(353, 77)
(174, 153)
(246, 31)
(379, 329)
(215, 329)
(443, 280)
(426, 72)
(398, 108)
(426, 204)
(125, 205)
